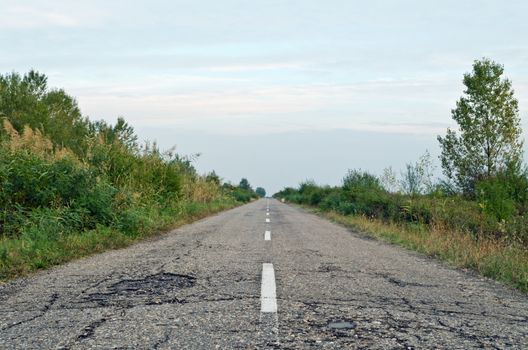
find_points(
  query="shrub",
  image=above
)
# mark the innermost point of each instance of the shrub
(362, 194)
(241, 195)
(98, 204)
(332, 200)
(357, 179)
(33, 181)
(495, 200)
(416, 211)
(366, 195)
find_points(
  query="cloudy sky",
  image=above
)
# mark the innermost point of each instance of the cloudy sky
(275, 91)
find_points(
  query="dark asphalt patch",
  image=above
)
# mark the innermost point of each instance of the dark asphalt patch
(342, 325)
(159, 288)
(342, 328)
(161, 283)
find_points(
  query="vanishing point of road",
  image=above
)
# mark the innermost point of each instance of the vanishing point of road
(264, 275)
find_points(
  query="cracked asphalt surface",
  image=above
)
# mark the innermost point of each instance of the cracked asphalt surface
(198, 287)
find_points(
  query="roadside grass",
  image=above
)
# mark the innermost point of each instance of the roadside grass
(503, 261)
(25, 254)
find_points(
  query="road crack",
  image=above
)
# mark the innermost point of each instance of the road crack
(53, 298)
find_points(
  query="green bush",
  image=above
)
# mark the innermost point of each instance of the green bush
(332, 200)
(241, 195)
(98, 204)
(32, 181)
(495, 198)
(416, 210)
(497, 213)
(366, 195)
(361, 180)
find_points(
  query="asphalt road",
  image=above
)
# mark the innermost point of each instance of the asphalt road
(224, 283)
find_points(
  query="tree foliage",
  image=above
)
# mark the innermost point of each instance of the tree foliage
(358, 179)
(261, 192)
(418, 178)
(244, 184)
(389, 180)
(213, 177)
(488, 141)
(28, 101)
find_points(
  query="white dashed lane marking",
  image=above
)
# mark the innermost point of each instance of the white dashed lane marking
(269, 320)
(268, 298)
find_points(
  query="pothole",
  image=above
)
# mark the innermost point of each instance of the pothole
(342, 325)
(160, 288)
(342, 328)
(158, 284)
(329, 268)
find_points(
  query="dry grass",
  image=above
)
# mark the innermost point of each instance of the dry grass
(200, 190)
(501, 261)
(35, 142)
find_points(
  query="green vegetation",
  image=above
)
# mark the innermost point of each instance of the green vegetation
(261, 192)
(71, 187)
(478, 218)
(242, 193)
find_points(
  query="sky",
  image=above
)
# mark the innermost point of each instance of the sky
(275, 91)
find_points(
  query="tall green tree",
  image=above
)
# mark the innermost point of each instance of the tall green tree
(488, 140)
(261, 192)
(244, 184)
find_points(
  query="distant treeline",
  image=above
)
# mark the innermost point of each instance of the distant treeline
(70, 186)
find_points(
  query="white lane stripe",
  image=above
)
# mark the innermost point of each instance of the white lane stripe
(267, 220)
(267, 214)
(268, 298)
(267, 236)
